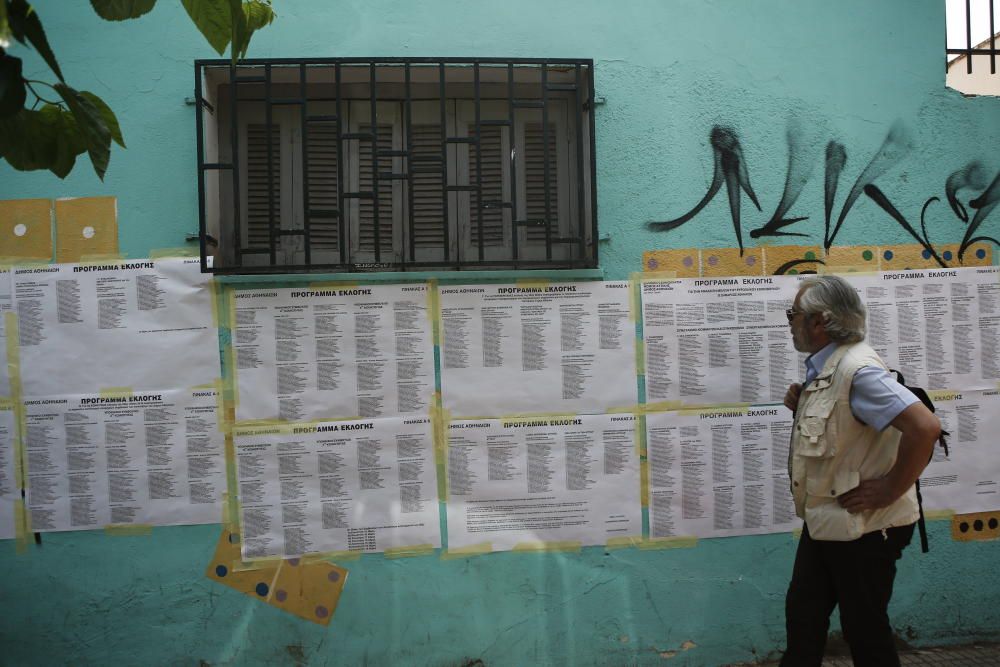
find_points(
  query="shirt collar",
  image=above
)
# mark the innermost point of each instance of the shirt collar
(816, 360)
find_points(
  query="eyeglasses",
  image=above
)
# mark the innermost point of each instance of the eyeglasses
(791, 313)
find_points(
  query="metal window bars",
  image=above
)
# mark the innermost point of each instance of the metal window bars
(375, 178)
(987, 47)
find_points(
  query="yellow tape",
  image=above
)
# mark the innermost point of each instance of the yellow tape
(661, 406)
(101, 259)
(568, 546)
(14, 379)
(939, 515)
(624, 542)
(170, 253)
(215, 289)
(464, 552)
(634, 301)
(855, 270)
(532, 282)
(796, 533)
(340, 556)
(943, 394)
(640, 357)
(231, 501)
(229, 372)
(7, 404)
(409, 552)
(656, 543)
(644, 482)
(440, 420)
(9, 262)
(640, 436)
(334, 284)
(116, 392)
(128, 530)
(434, 311)
(22, 526)
(731, 409)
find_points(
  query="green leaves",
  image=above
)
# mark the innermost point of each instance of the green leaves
(26, 28)
(12, 92)
(214, 19)
(229, 22)
(90, 127)
(43, 139)
(121, 10)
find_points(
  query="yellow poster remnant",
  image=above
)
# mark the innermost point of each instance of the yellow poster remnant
(86, 227)
(26, 229)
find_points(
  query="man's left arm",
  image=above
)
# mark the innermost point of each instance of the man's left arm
(920, 430)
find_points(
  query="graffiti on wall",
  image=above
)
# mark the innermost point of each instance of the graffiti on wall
(730, 167)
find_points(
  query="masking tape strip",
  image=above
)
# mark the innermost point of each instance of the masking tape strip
(100, 259)
(9, 262)
(434, 312)
(644, 482)
(334, 284)
(839, 269)
(229, 379)
(640, 436)
(440, 420)
(22, 519)
(939, 515)
(568, 546)
(128, 530)
(215, 289)
(532, 282)
(657, 543)
(463, 552)
(652, 277)
(231, 497)
(624, 542)
(22, 526)
(661, 406)
(171, 253)
(409, 552)
(116, 392)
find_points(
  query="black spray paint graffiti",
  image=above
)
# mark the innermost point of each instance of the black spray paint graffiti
(731, 167)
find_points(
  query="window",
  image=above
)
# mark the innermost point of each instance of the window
(392, 165)
(971, 46)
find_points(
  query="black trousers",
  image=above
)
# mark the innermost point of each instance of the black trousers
(856, 575)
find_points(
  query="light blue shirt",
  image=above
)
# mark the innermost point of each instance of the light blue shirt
(876, 397)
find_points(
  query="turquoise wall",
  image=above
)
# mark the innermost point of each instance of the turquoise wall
(670, 70)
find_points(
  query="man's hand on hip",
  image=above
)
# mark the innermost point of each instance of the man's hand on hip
(792, 396)
(871, 494)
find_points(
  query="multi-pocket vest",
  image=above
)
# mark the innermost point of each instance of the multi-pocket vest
(832, 452)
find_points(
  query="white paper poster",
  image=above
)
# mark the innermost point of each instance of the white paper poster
(151, 458)
(5, 307)
(142, 324)
(321, 353)
(719, 340)
(515, 349)
(939, 327)
(551, 479)
(967, 479)
(719, 472)
(9, 491)
(337, 486)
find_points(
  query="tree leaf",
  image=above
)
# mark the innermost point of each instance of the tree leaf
(91, 126)
(12, 92)
(258, 15)
(120, 10)
(24, 24)
(240, 31)
(213, 19)
(4, 24)
(107, 115)
(68, 142)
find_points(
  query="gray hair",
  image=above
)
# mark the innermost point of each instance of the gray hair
(838, 303)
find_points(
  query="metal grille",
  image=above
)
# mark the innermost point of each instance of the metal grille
(347, 165)
(976, 11)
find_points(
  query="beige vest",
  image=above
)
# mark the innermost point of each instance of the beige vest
(832, 452)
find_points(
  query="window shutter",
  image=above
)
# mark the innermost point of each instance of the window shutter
(491, 149)
(258, 205)
(534, 179)
(367, 170)
(427, 226)
(323, 184)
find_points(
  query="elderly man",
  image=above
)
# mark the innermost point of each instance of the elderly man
(859, 442)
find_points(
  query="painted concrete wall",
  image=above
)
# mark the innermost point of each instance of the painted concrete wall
(670, 71)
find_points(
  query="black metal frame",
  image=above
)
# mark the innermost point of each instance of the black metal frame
(969, 51)
(584, 239)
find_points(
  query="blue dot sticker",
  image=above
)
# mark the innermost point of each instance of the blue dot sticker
(221, 570)
(261, 589)
(887, 254)
(947, 254)
(981, 254)
(926, 254)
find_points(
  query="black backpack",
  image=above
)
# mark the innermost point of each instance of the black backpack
(926, 400)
